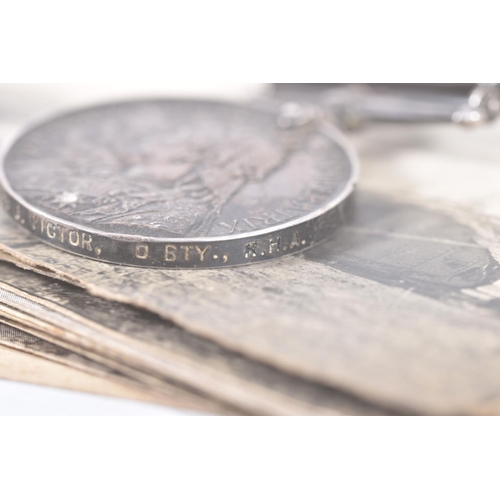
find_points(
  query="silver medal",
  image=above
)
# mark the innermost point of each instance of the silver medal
(179, 183)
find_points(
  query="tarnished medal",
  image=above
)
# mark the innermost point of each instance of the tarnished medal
(179, 183)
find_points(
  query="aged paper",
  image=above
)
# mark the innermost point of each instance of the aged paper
(23, 367)
(15, 336)
(400, 308)
(139, 343)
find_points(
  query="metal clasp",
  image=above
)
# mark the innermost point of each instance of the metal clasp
(353, 105)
